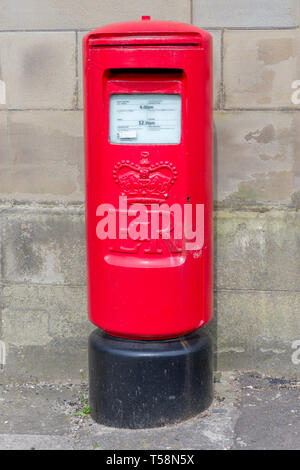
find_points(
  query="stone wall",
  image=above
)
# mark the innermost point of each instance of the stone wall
(44, 326)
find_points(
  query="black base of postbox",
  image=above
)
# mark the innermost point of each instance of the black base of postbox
(143, 384)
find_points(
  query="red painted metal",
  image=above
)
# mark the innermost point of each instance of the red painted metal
(136, 289)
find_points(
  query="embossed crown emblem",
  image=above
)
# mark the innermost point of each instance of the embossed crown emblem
(145, 182)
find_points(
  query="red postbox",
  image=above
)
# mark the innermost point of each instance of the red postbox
(148, 141)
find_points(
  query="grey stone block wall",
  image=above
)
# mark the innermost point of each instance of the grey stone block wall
(43, 320)
(246, 13)
(39, 69)
(90, 14)
(42, 156)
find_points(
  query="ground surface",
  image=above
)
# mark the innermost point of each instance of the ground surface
(250, 411)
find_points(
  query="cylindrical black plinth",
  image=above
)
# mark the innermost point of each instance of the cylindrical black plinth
(143, 384)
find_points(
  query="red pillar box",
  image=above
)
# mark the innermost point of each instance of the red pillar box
(148, 141)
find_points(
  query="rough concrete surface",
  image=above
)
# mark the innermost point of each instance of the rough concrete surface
(250, 411)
